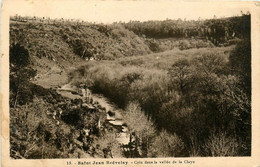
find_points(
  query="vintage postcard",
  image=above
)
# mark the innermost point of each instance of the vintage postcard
(130, 83)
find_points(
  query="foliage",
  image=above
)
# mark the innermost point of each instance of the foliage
(141, 126)
(182, 96)
(240, 63)
(177, 93)
(59, 45)
(20, 72)
(137, 121)
(218, 31)
(108, 141)
(34, 134)
(166, 145)
(219, 144)
(182, 73)
(19, 56)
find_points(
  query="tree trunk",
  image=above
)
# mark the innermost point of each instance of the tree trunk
(17, 93)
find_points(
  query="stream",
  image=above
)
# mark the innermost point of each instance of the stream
(113, 115)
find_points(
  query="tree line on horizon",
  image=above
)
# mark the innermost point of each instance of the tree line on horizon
(218, 31)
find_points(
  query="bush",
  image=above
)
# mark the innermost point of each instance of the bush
(219, 144)
(166, 145)
(141, 126)
(33, 133)
(107, 145)
(184, 45)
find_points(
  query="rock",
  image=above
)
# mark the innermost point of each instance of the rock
(88, 106)
(116, 122)
(110, 118)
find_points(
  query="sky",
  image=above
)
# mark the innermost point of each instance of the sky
(111, 11)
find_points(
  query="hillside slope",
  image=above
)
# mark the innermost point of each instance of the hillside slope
(57, 48)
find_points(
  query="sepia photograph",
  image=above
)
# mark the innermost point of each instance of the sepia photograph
(136, 80)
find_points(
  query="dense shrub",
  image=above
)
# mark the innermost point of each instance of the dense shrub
(108, 146)
(142, 128)
(166, 145)
(219, 144)
(34, 134)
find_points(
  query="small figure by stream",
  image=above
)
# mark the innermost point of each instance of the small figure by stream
(96, 103)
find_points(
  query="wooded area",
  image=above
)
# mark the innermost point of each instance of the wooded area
(186, 84)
